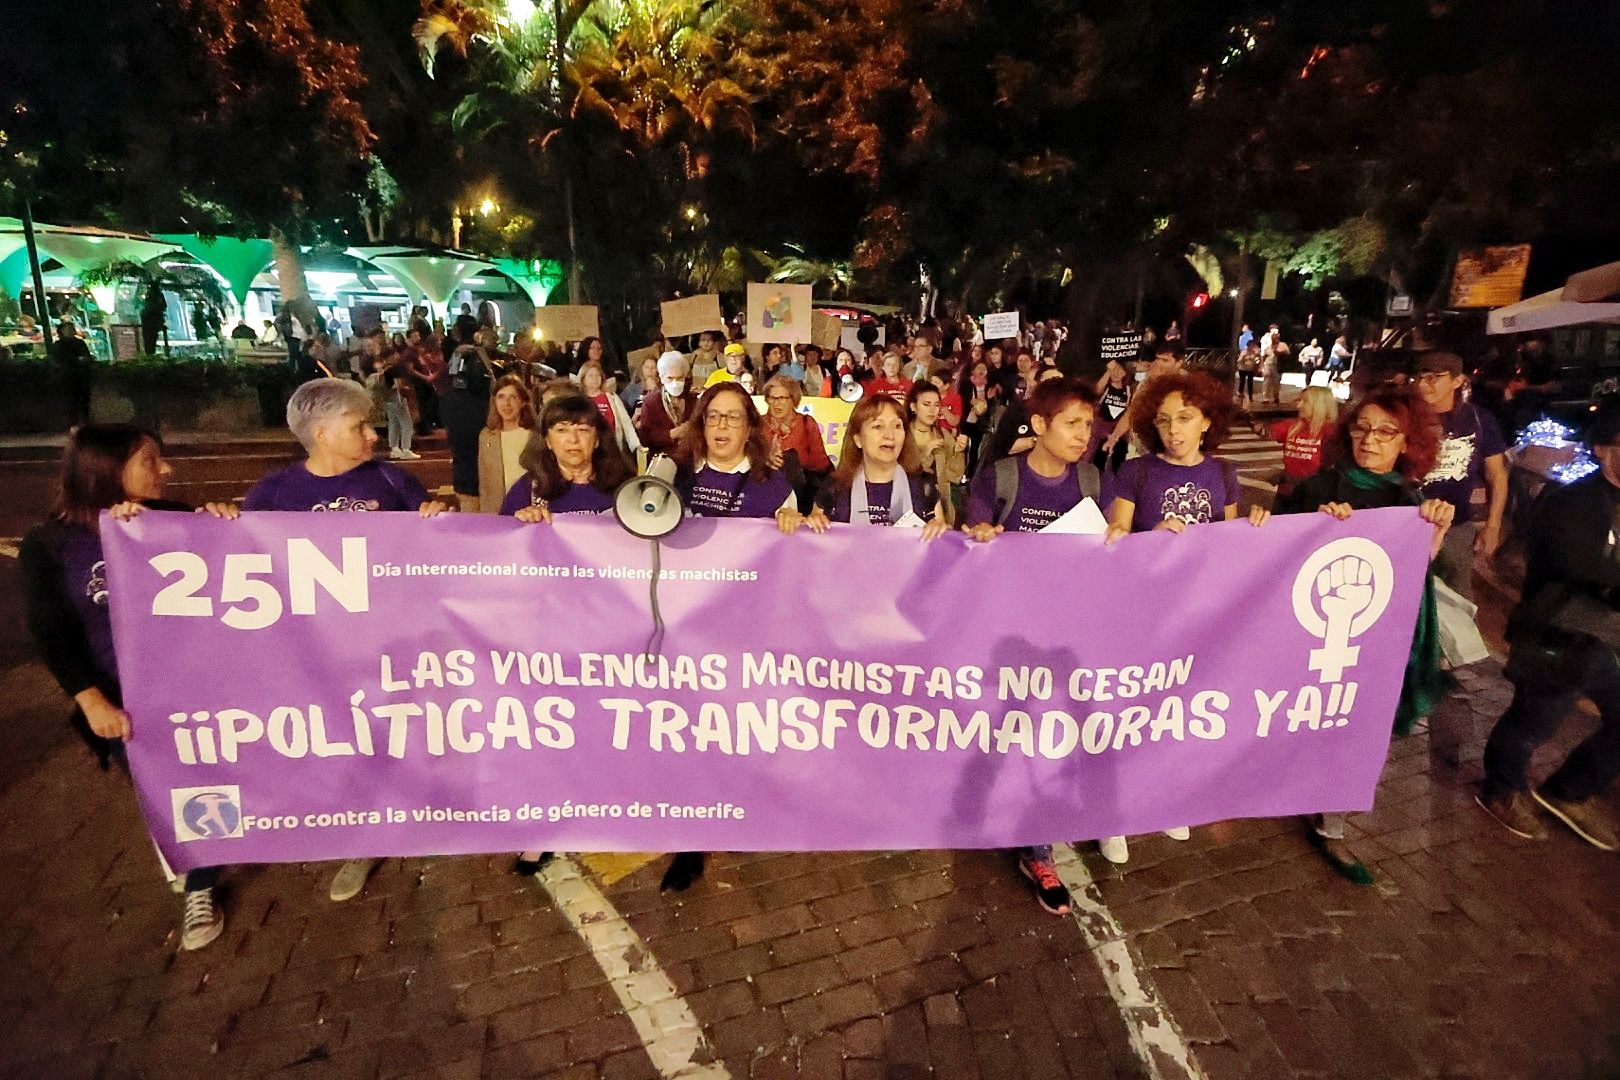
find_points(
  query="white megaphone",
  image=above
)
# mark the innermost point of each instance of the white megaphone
(849, 390)
(648, 506)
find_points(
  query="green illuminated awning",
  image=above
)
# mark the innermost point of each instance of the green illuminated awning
(237, 261)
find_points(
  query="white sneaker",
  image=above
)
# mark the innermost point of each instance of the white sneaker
(351, 878)
(1180, 832)
(395, 452)
(202, 921)
(406, 455)
(1114, 849)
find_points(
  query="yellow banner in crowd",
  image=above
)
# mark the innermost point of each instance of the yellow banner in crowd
(831, 414)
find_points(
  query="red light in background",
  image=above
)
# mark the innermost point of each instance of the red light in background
(1200, 300)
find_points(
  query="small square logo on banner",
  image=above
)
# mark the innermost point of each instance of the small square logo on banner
(207, 813)
(1003, 324)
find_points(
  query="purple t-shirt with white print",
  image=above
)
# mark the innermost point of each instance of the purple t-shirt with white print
(1193, 493)
(371, 485)
(574, 499)
(711, 493)
(1040, 501)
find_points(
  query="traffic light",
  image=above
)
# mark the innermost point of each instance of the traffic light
(1200, 301)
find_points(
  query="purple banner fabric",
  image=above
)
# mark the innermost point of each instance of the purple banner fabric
(312, 686)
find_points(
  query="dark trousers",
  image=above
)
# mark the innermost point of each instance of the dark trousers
(1246, 384)
(463, 414)
(1538, 711)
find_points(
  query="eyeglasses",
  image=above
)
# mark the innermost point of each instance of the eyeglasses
(777, 397)
(725, 419)
(1382, 433)
(1432, 376)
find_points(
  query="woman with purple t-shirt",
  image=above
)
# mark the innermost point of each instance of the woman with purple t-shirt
(572, 464)
(725, 459)
(1025, 493)
(869, 487)
(726, 472)
(118, 468)
(1180, 419)
(341, 474)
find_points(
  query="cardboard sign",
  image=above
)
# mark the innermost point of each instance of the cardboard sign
(566, 322)
(1121, 347)
(692, 315)
(634, 359)
(826, 330)
(779, 313)
(1001, 325)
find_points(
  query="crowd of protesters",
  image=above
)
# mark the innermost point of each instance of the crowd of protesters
(949, 431)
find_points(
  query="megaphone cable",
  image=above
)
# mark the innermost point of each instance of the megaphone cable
(656, 641)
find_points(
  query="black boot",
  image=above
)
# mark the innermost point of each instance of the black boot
(685, 868)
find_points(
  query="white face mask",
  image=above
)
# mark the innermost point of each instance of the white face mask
(674, 387)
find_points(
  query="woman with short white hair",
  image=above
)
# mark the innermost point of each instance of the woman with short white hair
(329, 417)
(666, 416)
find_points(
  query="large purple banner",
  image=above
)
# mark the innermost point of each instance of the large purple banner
(310, 686)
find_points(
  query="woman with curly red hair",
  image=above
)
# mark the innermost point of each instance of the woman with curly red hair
(1380, 454)
(1180, 419)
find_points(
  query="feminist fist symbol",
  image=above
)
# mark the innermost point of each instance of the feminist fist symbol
(1340, 592)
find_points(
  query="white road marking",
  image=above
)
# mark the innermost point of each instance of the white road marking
(1154, 1036)
(669, 1032)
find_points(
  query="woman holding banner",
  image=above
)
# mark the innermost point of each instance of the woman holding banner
(120, 468)
(1179, 419)
(329, 418)
(1377, 458)
(1025, 494)
(726, 472)
(571, 465)
(726, 463)
(870, 487)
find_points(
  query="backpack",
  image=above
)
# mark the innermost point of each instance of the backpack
(1007, 484)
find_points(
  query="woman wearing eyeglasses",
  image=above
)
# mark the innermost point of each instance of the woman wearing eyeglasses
(726, 472)
(1377, 458)
(794, 438)
(727, 463)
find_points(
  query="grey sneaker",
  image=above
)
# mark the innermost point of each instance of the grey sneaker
(351, 878)
(1515, 813)
(202, 921)
(1585, 817)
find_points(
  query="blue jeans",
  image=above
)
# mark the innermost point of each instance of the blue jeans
(399, 423)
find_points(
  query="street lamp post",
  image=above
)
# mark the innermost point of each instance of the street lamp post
(41, 309)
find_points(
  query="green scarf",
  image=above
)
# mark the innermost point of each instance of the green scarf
(1425, 684)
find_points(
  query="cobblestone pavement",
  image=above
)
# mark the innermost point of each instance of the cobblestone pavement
(1475, 956)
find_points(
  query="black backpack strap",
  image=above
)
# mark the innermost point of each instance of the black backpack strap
(1090, 480)
(1006, 488)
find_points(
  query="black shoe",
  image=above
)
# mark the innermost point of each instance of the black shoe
(685, 868)
(1342, 859)
(530, 867)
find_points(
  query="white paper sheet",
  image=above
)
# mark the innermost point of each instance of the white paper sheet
(1085, 519)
